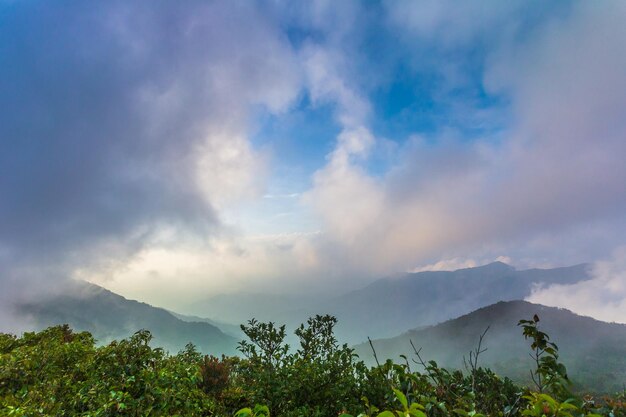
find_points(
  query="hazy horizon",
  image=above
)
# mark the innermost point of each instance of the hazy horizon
(172, 151)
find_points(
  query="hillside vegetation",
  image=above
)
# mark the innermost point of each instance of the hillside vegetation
(595, 351)
(109, 316)
(57, 372)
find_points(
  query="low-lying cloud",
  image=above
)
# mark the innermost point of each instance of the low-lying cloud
(602, 297)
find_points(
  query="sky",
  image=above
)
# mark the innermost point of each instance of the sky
(170, 151)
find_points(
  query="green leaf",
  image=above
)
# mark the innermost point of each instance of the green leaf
(261, 410)
(402, 398)
(548, 399)
(416, 406)
(244, 412)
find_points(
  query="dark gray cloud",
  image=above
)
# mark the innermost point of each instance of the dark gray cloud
(105, 109)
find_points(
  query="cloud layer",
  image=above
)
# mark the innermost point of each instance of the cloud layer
(130, 151)
(556, 168)
(602, 297)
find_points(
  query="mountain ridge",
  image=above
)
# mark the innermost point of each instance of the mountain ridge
(384, 308)
(387, 307)
(109, 316)
(594, 351)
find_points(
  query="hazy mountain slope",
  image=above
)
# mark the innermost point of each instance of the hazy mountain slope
(390, 306)
(228, 328)
(110, 316)
(593, 351)
(241, 307)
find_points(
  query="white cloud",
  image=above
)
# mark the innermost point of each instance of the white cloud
(326, 71)
(347, 200)
(176, 274)
(454, 264)
(558, 171)
(446, 265)
(602, 297)
(229, 170)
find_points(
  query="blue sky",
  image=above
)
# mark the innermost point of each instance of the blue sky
(170, 151)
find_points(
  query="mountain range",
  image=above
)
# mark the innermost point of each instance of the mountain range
(385, 308)
(388, 307)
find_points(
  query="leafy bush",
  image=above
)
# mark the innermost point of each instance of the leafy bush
(57, 372)
(321, 378)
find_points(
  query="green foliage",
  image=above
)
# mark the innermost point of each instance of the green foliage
(57, 372)
(549, 373)
(543, 405)
(321, 378)
(257, 411)
(267, 348)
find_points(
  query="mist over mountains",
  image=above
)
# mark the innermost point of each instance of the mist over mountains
(390, 306)
(442, 312)
(240, 307)
(385, 308)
